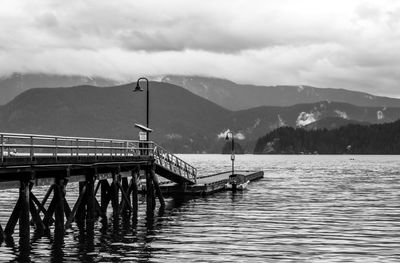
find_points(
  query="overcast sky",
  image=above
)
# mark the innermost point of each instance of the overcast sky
(352, 44)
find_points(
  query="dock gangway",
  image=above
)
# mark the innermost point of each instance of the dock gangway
(172, 167)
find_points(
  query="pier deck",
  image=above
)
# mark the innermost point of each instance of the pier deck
(206, 185)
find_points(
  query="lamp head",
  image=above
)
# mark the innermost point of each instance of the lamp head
(137, 88)
(227, 137)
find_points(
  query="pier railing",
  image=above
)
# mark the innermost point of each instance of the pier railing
(33, 145)
(172, 163)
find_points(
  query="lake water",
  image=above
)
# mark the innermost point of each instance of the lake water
(309, 208)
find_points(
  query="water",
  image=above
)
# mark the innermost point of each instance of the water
(306, 209)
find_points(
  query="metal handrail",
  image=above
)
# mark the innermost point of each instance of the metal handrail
(173, 163)
(15, 145)
(34, 145)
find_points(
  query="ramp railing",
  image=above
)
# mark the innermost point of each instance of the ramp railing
(174, 164)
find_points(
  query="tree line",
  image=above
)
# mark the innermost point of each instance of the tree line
(349, 139)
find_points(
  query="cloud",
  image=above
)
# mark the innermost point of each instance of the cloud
(237, 135)
(341, 44)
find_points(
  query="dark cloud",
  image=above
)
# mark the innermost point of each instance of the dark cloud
(344, 43)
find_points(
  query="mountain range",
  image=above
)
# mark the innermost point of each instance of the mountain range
(182, 121)
(15, 84)
(225, 93)
(235, 96)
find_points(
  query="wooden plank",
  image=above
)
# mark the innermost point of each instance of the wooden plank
(36, 217)
(2, 235)
(39, 204)
(67, 209)
(71, 217)
(12, 221)
(48, 217)
(46, 196)
(124, 196)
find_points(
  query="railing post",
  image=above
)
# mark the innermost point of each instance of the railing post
(111, 148)
(77, 148)
(95, 149)
(2, 147)
(56, 148)
(31, 153)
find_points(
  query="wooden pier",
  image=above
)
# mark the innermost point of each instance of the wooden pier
(107, 168)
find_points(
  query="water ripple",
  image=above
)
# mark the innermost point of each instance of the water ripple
(306, 209)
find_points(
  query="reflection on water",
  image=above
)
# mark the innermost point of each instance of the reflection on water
(306, 209)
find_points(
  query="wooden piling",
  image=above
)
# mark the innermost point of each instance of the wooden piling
(24, 221)
(134, 178)
(104, 196)
(157, 188)
(2, 235)
(115, 194)
(90, 210)
(149, 192)
(126, 192)
(59, 195)
(80, 211)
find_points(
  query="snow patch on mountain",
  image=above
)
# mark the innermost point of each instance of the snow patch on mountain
(281, 122)
(379, 115)
(223, 134)
(342, 114)
(305, 118)
(256, 123)
(300, 88)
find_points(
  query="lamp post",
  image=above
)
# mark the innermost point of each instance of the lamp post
(138, 88)
(232, 150)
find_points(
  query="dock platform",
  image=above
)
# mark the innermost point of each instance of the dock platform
(207, 185)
